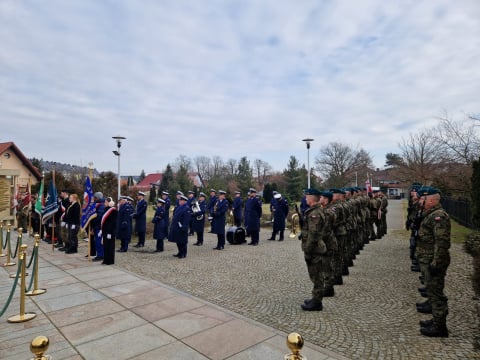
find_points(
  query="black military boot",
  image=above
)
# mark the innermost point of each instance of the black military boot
(426, 323)
(281, 236)
(424, 308)
(435, 330)
(338, 280)
(312, 306)
(329, 292)
(415, 268)
(272, 237)
(345, 270)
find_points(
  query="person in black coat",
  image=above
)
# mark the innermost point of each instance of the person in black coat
(124, 222)
(218, 215)
(72, 218)
(166, 198)
(160, 224)
(211, 203)
(253, 213)
(108, 228)
(140, 217)
(179, 227)
(237, 208)
(198, 222)
(280, 213)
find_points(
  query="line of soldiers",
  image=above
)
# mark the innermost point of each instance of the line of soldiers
(336, 224)
(429, 253)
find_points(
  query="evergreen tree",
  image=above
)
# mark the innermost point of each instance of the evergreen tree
(152, 199)
(293, 179)
(475, 193)
(142, 176)
(244, 175)
(168, 181)
(182, 180)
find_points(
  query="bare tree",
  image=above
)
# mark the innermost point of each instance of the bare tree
(232, 166)
(421, 157)
(203, 165)
(338, 163)
(182, 162)
(262, 169)
(459, 139)
(217, 163)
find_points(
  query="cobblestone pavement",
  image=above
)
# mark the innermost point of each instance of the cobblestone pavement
(372, 315)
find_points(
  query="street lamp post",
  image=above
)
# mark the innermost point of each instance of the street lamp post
(117, 154)
(308, 141)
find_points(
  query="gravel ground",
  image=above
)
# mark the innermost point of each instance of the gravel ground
(372, 315)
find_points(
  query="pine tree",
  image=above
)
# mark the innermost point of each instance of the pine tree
(294, 179)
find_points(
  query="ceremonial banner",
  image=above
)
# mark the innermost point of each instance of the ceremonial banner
(368, 186)
(51, 206)
(88, 207)
(39, 202)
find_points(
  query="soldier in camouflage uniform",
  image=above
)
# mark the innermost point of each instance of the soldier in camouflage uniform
(331, 242)
(433, 255)
(383, 213)
(339, 229)
(317, 254)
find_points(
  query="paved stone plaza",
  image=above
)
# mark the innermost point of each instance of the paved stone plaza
(372, 316)
(236, 304)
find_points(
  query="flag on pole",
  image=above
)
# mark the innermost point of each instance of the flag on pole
(368, 186)
(39, 202)
(51, 206)
(88, 207)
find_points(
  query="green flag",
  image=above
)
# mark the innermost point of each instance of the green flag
(39, 202)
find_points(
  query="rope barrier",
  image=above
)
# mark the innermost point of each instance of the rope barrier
(35, 267)
(19, 243)
(35, 250)
(13, 289)
(34, 279)
(7, 238)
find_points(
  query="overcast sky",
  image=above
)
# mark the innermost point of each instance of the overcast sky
(230, 78)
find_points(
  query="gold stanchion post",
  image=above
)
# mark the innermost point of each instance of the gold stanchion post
(9, 249)
(36, 290)
(22, 317)
(295, 344)
(19, 245)
(1, 240)
(39, 346)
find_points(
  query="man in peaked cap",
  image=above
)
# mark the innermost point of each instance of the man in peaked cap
(179, 228)
(434, 258)
(218, 214)
(237, 208)
(253, 213)
(211, 203)
(124, 222)
(140, 217)
(279, 211)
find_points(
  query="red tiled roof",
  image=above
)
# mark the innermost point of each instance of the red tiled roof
(145, 184)
(25, 161)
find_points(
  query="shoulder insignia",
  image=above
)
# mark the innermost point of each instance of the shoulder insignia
(438, 218)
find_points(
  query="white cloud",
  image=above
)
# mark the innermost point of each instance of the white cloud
(229, 78)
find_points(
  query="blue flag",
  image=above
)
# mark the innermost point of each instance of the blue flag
(88, 208)
(51, 205)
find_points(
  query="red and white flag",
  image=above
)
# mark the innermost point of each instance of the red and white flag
(368, 186)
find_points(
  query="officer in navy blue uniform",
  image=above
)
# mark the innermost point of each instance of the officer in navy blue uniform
(179, 226)
(198, 222)
(211, 203)
(280, 213)
(124, 222)
(160, 226)
(140, 217)
(96, 225)
(237, 208)
(273, 201)
(253, 213)
(190, 201)
(166, 206)
(218, 213)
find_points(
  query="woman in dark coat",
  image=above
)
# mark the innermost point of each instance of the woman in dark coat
(72, 218)
(179, 227)
(108, 226)
(160, 224)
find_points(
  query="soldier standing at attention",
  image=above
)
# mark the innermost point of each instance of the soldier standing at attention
(140, 217)
(279, 211)
(319, 263)
(237, 208)
(211, 203)
(434, 258)
(253, 213)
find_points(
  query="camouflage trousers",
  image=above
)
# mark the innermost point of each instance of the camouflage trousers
(339, 256)
(321, 274)
(434, 284)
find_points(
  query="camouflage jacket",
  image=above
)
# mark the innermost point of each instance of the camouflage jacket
(434, 238)
(339, 227)
(314, 226)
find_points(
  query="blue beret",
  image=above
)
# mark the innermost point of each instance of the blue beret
(327, 194)
(337, 191)
(312, 191)
(427, 190)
